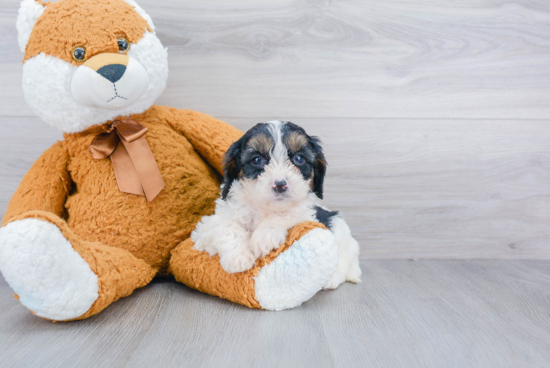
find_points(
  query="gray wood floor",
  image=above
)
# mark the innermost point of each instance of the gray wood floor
(405, 314)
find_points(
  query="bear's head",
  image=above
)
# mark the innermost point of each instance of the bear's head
(89, 61)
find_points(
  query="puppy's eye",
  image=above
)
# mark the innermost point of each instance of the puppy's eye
(123, 45)
(258, 161)
(298, 160)
(79, 53)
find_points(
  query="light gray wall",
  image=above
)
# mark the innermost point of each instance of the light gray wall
(435, 114)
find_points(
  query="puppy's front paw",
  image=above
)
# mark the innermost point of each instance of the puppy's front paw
(237, 261)
(265, 239)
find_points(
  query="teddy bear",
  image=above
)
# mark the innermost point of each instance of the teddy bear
(113, 205)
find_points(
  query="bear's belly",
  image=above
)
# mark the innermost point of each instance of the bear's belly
(98, 211)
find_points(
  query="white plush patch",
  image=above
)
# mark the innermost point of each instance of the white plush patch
(141, 12)
(29, 12)
(298, 273)
(42, 267)
(47, 87)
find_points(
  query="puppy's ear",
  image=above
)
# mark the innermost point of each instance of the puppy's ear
(231, 166)
(319, 168)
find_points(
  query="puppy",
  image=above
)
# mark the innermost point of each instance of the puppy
(273, 179)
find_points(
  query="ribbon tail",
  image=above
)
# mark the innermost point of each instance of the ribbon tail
(145, 166)
(126, 175)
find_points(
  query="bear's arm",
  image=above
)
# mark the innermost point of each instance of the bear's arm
(209, 136)
(44, 187)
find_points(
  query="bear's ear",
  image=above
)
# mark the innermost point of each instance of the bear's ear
(29, 12)
(141, 12)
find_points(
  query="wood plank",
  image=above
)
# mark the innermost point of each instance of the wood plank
(350, 58)
(404, 314)
(438, 188)
(408, 188)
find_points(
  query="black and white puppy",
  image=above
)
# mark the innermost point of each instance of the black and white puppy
(273, 179)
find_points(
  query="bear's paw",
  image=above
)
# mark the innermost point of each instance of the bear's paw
(41, 266)
(299, 272)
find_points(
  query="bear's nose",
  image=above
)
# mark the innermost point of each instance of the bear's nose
(112, 72)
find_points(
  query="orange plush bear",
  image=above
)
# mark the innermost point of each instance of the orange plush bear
(104, 211)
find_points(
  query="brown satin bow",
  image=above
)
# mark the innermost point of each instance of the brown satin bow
(136, 170)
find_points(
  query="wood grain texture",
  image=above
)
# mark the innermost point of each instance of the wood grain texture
(408, 188)
(351, 58)
(428, 113)
(404, 314)
(438, 188)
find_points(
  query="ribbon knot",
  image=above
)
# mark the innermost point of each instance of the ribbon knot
(136, 170)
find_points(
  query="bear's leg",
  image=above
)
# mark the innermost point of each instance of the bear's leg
(60, 277)
(285, 278)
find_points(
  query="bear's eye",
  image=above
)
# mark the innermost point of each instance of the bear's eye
(79, 53)
(123, 45)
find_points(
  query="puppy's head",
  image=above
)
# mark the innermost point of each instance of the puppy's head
(277, 165)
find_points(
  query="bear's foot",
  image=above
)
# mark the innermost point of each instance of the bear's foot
(41, 266)
(285, 278)
(298, 273)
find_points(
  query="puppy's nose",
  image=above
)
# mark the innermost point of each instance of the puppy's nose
(112, 72)
(280, 186)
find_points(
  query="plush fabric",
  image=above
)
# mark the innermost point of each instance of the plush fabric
(71, 242)
(47, 82)
(298, 273)
(62, 284)
(181, 141)
(61, 29)
(198, 270)
(29, 12)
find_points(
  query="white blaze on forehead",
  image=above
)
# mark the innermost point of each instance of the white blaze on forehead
(279, 152)
(280, 167)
